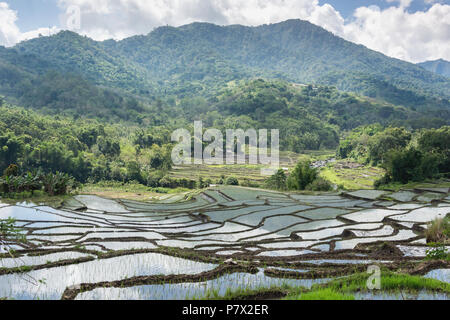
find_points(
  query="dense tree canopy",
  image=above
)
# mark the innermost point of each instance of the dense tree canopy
(406, 155)
(85, 149)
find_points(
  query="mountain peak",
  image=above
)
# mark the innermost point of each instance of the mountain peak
(439, 66)
(64, 34)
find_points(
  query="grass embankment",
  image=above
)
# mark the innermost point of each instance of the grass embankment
(390, 282)
(129, 191)
(320, 294)
(108, 189)
(351, 178)
(337, 289)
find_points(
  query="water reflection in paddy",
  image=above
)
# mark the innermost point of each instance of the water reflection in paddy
(195, 290)
(57, 279)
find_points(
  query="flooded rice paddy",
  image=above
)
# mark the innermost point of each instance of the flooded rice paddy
(223, 238)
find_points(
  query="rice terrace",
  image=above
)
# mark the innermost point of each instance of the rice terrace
(227, 242)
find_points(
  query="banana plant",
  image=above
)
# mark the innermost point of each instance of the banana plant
(57, 184)
(53, 183)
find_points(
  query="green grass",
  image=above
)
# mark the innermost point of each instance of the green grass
(337, 289)
(320, 294)
(352, 179)
(131, 191)
(390, 282)
(168, 190)
(132, 186)
(437, 251)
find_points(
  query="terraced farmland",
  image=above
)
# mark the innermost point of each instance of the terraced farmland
(224, 238)
(251, 173)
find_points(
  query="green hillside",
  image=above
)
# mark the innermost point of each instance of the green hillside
(200, 58)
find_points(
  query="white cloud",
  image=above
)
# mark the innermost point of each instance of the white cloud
(419, 36)
(39, 32)
(9, 31)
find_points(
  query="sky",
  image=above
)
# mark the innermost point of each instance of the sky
(411, 30)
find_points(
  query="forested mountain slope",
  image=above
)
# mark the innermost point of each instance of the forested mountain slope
(198, 59)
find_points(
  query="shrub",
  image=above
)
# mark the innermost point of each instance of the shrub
(12, 170)
(320, 184)
(277, 181)
(153, 178)
(57, 183)
(302, 176)
(437, 251)
(134, 172)
(201, 183)
(232, 181)
(382, 181)
(438, 230)
(166, 182)
(16, 184)
(248, 183)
